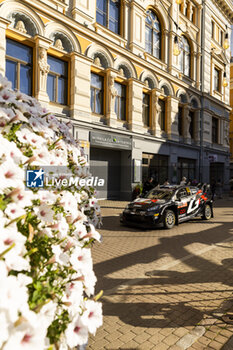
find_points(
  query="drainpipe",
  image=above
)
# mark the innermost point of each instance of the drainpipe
(201, 160)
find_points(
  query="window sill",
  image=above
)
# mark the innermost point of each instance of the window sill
(56, 104)
(108, 34)
(156, 61)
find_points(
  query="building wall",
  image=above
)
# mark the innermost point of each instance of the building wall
(89, 47)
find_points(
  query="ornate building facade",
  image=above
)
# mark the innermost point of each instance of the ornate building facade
(138, 108)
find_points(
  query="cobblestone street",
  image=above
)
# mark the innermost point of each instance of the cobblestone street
(165, 289)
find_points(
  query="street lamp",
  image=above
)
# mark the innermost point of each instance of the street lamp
(226, 42)
(225, 82)
(176, 49)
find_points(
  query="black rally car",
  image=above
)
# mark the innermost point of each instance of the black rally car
(169, 205)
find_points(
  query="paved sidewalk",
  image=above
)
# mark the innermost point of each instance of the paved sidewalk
(165, 289)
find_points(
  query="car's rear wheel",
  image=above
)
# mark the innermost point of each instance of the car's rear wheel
(169, 219)
(207, 212)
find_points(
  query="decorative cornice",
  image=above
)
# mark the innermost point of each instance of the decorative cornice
(225, 6)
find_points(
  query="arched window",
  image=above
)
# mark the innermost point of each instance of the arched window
(153, 35)
(108, 14)
(184, 57)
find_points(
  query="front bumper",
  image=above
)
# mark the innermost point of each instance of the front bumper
(138, 220)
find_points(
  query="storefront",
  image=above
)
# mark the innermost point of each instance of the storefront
(110, 159)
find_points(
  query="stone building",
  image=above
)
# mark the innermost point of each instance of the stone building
(109, 66)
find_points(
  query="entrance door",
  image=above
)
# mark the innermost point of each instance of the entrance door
(106, 164)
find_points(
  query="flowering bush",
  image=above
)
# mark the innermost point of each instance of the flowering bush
(46, 271)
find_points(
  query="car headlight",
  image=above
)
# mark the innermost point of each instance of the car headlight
(154, 208)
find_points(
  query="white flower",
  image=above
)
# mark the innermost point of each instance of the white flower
(92, 233)
(92, 316)
(48, 312)
(81, 259)
(6, 96)
(61, 226)
(44, 213)
(76, 333)
(14, 153)
(27, 336)
(42, 156)
(10, 175)
(4, 334)
(80, 230)
(60, 257)
(22, 198)
(89, 281)
(13, 211)
(24, 134)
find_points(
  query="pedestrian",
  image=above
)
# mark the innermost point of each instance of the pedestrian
(166, 182)
(183, 181)
(231, 186)
(213, 188)
(219, 188)
(148, 185)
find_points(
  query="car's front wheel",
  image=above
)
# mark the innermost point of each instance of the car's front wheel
(207, 212)
(169, 219)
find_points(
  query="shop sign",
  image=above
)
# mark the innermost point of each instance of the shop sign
(213, 158)
(110, 140)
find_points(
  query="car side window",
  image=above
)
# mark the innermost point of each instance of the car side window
(182, 193)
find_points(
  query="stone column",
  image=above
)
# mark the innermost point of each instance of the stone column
(111, 97)
(42, 69)
(3, 26)
(80, 87)
(156, 110)
(134, 104)
(186, 124)
(172, 118)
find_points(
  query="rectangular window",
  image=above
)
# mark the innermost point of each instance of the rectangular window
(108, 14)
(215, 130)
(97, 83)
(120, 101)
(191, 125)
(146, 109)
(57, 80)
(217, 73)
(19, 66)
(212, 29)
(162, 115)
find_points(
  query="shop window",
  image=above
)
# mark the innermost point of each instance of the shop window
(215, 130)
(146, 109)
(97, 83)
(184, 57)
(120, 101)
(57, 81)
(19, 66)
(108, 14)
(155, 166)
(217, 79)
(186, 168)
(153, 35)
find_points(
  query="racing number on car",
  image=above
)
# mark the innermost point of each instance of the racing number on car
(193, 205)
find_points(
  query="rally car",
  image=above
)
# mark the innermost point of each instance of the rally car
(168, 205)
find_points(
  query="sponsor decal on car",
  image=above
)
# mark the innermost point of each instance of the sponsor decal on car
(183, 205)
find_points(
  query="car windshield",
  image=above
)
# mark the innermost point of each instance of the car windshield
(160, 194)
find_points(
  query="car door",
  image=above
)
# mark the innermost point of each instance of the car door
(183, 206)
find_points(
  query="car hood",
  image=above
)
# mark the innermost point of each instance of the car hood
(145, 203)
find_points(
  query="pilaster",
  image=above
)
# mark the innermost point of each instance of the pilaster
(3, 26)
(42, 69)
(111, 96)
(135, 123)
(172, 123)
(80, 87)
